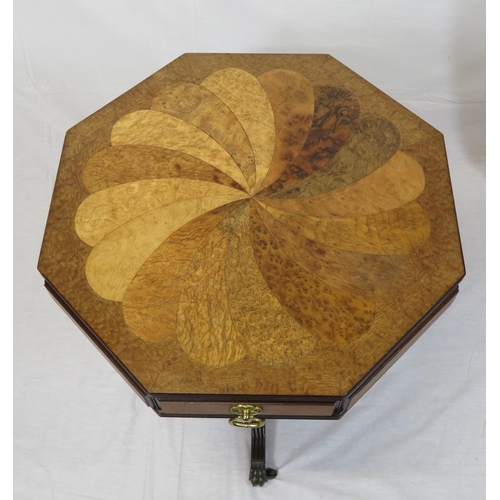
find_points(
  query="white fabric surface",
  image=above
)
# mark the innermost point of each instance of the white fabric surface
(80, 431)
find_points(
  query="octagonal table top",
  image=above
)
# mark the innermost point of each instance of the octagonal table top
(252, 224)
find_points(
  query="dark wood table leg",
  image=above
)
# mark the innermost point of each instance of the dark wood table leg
(258, 472)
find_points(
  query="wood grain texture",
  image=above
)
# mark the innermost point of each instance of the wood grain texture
(200, 107)
(105, 211)
(116, 259)
(204, 325)
(153, 128)
(395, 232)
(333, 316)
(151, 301)
(245, 96)
(97, 127)
(411, 127)
(336, 113)
(373, 277)
(308, 65)
(270, 334)
(374, 141)
(398, 182)
(292, 98)
(121, 164)
(62, 260)
(358, 240)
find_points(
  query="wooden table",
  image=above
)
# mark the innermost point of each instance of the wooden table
(268, 230)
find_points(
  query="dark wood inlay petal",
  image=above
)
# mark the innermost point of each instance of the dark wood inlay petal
(372, 144)
(328, 313)
(336, 113)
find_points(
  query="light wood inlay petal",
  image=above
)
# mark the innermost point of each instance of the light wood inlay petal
(373, 277)
(270, 334)
(204, 326)
(150, 302)
(328, 313)
(121, 164)
(116, 259)
(292, 99)
(398, 182)
(203, 109)
(104, 211)
(246, 98)
(153, 128)
(396, 232)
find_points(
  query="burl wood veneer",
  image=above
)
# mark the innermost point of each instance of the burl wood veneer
(252, 228)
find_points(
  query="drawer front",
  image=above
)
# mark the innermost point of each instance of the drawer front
(268, 409)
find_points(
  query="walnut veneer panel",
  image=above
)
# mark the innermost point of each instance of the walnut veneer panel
(252, 224)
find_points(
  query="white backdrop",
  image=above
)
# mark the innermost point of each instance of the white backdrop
(80, 432)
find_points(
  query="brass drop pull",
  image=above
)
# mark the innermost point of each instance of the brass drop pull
(246, 416)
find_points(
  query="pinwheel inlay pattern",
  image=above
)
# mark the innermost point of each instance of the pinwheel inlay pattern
(252, 216)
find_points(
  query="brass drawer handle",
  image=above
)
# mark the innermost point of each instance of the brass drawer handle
(246, 416)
